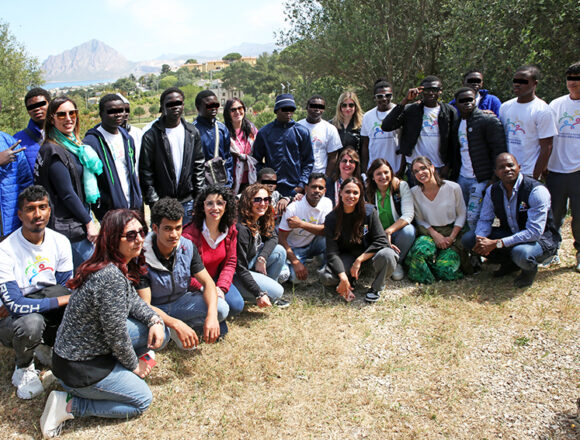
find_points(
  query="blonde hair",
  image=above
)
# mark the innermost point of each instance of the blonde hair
(338, 119)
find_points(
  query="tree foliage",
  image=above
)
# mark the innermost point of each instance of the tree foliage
(165, 68)
(191, 61)
(232, 56)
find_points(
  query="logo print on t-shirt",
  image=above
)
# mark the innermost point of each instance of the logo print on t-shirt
(515, 126)
(462, 137)
(37, 265)
(568, 120)
(430, 122)
(377, 131)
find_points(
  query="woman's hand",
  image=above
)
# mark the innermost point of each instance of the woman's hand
(344, 289)
(220, 293)
(263, 301)
(355, 269)
(143, 369)
(389, 233)
(156, 336)
(440, 240)
(92, 231)
(260, 266)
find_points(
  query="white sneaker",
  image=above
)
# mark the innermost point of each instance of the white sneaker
(399, 273)
(27, 382)
(54, 415)
(43, 354)
(284, 274)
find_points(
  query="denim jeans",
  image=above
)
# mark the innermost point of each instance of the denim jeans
(192, 309)
(473, 193)
(81, 251)
(188, 212)
(404, 239)
(235, 301)
(316, 247)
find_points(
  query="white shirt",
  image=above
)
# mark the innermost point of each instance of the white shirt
(137, 135)
(315, 215)
(210, 241)
(34, 267)
(565, 156)
(466, 165)
(382, 144)
(117, 150)
(176, 138)
(325, 140)
(525, 124)
(447, 207)
(429, 141)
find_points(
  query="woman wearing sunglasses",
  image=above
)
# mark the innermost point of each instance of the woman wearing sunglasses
(348, 120)
(260, 257)
(347, 165)
(101, 353)
(354, 235)
(67, 169)
(242, 135)
(214, 233)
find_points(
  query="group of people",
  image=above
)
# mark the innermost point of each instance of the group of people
(409, 189)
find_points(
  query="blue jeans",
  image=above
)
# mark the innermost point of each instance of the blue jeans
(235, 301)
(404, 239)
(316, 247)
(473, 193)
(81, 251)
(188, 212)
(191, 309)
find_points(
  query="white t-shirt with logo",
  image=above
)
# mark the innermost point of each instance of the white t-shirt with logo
(176, 138)
(325, 140)
(565, 156)
(315, 215)
(382, 144)
(525, 124)
(466, 165)
(117, 150)
(428, 142)
(33, 267)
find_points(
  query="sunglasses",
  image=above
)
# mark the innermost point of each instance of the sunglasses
(317, 106)
(131, 236)
(383, 96)
(464, 100)
(36, 105)
(432, 90)
(349, 105)
(213, 105)
(237, 109)
(266, 200)
(269, 182)
(173, 104)
(520, 81)
(115, 111)
(474, 80)
(568, 78)
(71, 114)
(288, 109)
(212, 203)
(345, 161)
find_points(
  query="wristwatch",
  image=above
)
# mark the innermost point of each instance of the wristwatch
(499, 244)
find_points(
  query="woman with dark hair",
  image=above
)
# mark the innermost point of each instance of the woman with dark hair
(354, 235)
(394, 203)
(440, 215)
(214, 233)
(348, 120)
(67, 169)
(347, 165)
(260, 257)
(242, 135)
(101, 350)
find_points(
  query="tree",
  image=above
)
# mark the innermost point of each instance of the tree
(139, 111)
(126, 85)
(191, 61)
(154, 109)
(165, 69)
(18, 72)
(232, 56)
(168, 81)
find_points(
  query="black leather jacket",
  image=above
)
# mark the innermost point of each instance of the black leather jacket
(156, 169)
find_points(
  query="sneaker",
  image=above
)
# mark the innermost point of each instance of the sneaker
(177, 341)
(526, 278)
(554, 260)
(54, 414)
(282, 303)
(27, 382)
(43, 354)
(399, 273)
(284, 274)
(372, 296)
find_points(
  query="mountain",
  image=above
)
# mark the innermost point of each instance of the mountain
(90, 61)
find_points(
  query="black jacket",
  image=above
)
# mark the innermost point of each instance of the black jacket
(410, 119)
(486, 139)
(156, 169)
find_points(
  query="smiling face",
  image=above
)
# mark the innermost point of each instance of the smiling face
(431, 92)
(65, 118)
(382, 177)
(261, 207)
(128, 248)
(37, 114)
(315, 110)
(350, 195)
(423, 173)
(237, 111)
(346, 166)
(507, 168)
(383, 98)
(347, 108)
(214, 207)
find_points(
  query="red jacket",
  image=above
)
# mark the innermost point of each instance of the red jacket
(227, 268)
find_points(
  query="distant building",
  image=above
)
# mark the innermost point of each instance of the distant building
(217, 65)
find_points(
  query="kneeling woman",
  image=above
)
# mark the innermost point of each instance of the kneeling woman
(105, 329)
(440, 215)
(260, 257)
(354, 234)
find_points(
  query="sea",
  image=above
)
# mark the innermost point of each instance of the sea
(67, 84)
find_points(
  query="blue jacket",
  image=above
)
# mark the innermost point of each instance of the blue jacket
(287, 149)
(112, 195)
(487, 102)
(14, 177)
(31, 138)
(207, 133)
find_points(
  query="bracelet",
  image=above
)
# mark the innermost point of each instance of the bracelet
(261, 294)
(156, 320)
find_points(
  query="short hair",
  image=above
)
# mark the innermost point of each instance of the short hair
(381, 83)
(108, 98)
(168, 208)
(36, 91)
(469, 72)
(314, 176)
(533, 70)
(33, 193)
(313, 97)
(265, 171)
(463, 90)
(431, 78)
(202, 95)
(574, 69)
(167, 92)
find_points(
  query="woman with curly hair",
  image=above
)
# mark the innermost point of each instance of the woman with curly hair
(348, 120)
(260, 257)
(101, 349)
(214, 233)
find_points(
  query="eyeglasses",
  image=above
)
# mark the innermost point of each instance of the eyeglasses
(465, 100)
(36, 105)
(269, 182)
(213, 105)
(173, 104)
(266, 200)
(71, 114)
(237, 109)
(520, 81)
(383, 96)
(573, 78)
(212, 203)
(346, 161)
(115, 111)
(288, 109)
(349, 105)
(317, 106)
(131, 236)
(474, 81)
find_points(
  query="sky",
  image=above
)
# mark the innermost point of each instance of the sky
(141, 29)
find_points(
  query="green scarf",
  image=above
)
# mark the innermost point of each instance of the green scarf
(92, 165)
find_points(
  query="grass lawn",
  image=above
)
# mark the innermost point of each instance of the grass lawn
(472, 359)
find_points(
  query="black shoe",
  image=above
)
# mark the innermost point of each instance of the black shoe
(505, 269)
(372, 296)
(526, 278)
(282, 303)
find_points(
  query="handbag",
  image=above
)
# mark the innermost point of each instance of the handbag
(215, 168)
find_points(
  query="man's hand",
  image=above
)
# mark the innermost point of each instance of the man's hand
(281, 206)
(211, 329)
(294, 222)
(9, 155)
(4, 312)
(412, 95)
(186, 334)
(300, 270)
(483, 245)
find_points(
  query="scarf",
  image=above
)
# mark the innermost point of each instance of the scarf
(92, 165)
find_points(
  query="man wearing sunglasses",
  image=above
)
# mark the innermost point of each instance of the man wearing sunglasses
(36, 102)
(483, 99)
(426, 127)
(528, 123)
(119, 183)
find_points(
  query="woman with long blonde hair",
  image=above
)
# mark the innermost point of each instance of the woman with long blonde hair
(348, 120)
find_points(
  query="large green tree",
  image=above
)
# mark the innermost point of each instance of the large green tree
(18, 72)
